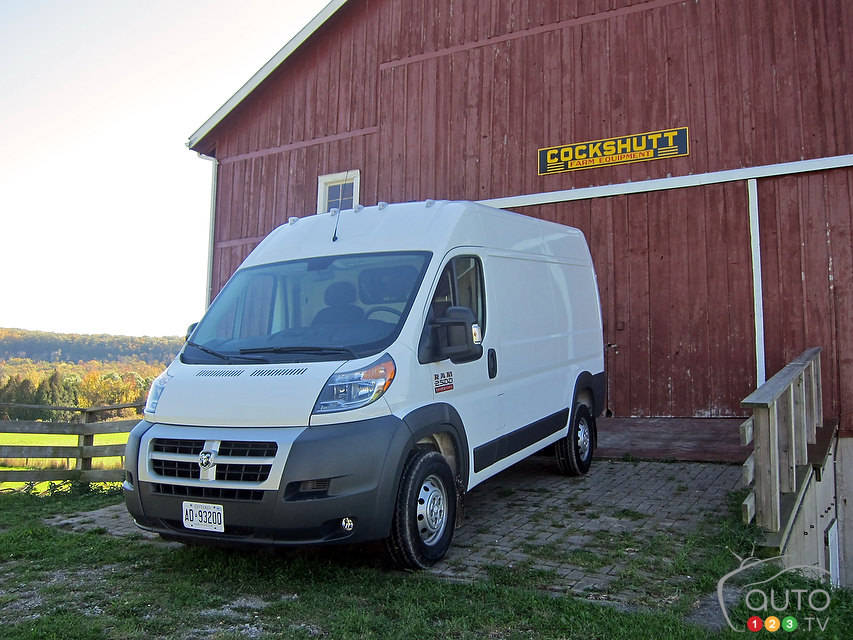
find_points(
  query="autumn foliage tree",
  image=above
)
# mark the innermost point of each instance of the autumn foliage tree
(89, 383)
(94, 389)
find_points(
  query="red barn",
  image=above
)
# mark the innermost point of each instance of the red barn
(703, 146)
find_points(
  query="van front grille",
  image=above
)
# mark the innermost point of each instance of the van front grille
(224, 471)
(176, 468)
(245, 462)
(243, 472)
(208, 493)
(248, 449)
(166, 445)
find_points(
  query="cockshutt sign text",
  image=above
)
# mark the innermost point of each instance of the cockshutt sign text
(641, 147)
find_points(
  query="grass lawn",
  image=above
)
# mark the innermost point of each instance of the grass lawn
(59, 584)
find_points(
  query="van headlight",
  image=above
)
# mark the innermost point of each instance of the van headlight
(156, 390)
(355, 389)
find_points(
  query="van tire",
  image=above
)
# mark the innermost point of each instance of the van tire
(574, 452)
(425, 512)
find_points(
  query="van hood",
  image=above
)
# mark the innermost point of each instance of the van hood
(268, 395)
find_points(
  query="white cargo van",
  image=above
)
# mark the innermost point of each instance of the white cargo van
(363, 369)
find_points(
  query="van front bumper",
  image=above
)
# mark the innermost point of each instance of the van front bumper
(339, 484)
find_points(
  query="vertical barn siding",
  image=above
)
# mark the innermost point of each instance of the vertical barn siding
(452, 99)
(807, 269)
(675, 296)
(694, 63)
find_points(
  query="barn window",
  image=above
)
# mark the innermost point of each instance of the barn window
(338, 190)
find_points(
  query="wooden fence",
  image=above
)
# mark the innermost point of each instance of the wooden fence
(85, 428)
(787, 414)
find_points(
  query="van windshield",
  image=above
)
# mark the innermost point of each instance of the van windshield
(328, 308)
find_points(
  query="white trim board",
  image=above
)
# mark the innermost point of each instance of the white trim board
(757, 287)
(211, 240)
(679, 182)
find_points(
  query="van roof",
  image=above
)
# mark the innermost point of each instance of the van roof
(435, 226)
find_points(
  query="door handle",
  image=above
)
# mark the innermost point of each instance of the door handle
(493, 363)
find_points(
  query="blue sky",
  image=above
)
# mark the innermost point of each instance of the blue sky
(104, 212)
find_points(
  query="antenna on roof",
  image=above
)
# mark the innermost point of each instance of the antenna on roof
(333, 211)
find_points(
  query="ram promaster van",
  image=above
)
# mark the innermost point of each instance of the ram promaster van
(362, 370)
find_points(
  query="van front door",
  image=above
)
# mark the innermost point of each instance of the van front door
(468, 386)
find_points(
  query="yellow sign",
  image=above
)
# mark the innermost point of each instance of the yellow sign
(654, 145)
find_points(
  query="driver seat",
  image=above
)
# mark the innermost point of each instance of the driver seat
(340, 308)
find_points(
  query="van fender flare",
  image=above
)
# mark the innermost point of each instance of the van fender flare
(439, 417)
(419, 424)
(596, 384)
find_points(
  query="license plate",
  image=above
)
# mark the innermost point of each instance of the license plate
(207, 517)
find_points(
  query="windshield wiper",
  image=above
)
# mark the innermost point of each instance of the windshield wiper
(318, 350)
(222, 356)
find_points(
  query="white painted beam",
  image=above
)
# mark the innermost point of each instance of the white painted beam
(757, 290)
(679, 182)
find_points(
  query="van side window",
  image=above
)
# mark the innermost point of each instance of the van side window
(443, 297)
(461, 285)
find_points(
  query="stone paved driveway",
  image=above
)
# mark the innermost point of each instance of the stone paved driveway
(582, 533)
(578, 535)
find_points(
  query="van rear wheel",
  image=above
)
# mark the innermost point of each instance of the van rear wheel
(425, 513)
(574, 452)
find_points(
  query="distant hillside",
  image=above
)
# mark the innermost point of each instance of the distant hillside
(72, 347)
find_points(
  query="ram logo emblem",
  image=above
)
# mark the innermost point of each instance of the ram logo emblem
(205, 460)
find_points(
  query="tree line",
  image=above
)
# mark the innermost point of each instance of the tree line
(72, 347)
(54, 369)
(96, 388)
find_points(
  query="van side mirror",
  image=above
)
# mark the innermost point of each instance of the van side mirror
(452, 336)
(190, 330)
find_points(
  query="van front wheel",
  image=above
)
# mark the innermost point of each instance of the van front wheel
(574, 452)
(425, 513)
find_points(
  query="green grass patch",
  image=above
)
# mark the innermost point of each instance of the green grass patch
(134, 591)
(18, 508)
(630, 514)
(60, 584)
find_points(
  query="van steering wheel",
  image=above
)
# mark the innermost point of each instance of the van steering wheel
(399, 314)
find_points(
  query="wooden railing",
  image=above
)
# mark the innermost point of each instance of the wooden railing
(786, 414)
(86, 428)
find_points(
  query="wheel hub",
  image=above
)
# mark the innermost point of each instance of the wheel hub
(583, 439)
(431, 510)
